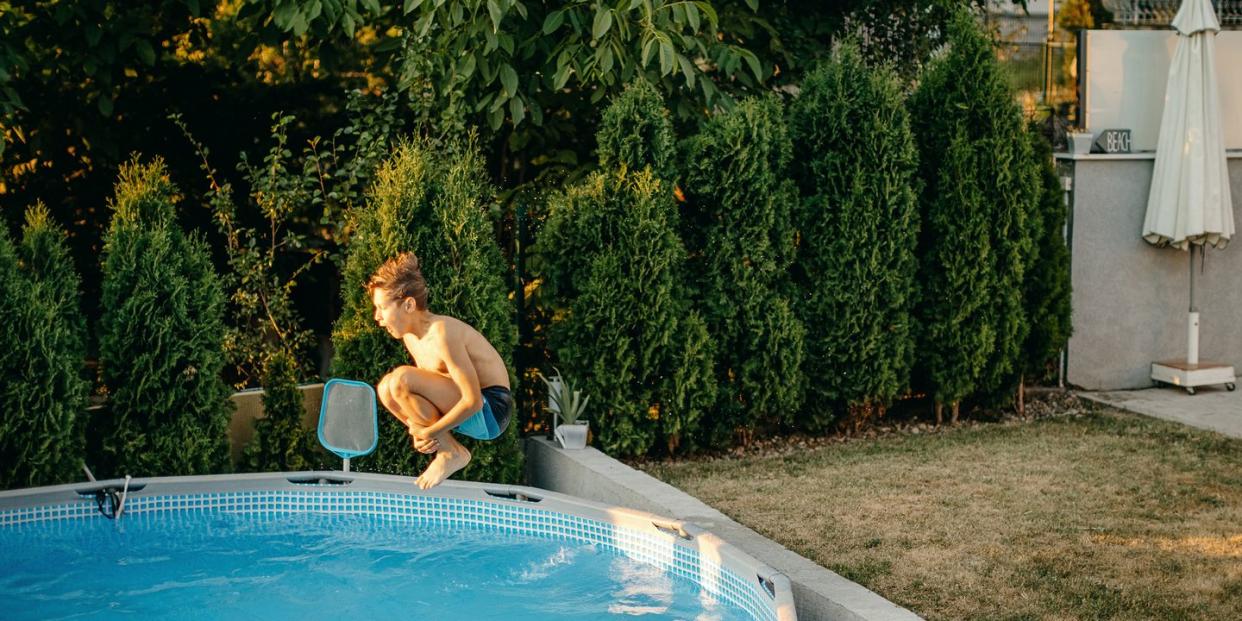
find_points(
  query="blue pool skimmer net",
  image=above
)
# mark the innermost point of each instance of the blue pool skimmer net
(347, 421)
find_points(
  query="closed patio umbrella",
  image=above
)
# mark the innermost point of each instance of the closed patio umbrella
(1189, 204)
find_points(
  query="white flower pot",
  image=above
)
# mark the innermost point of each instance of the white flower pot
(1081, 141)
(572, 436)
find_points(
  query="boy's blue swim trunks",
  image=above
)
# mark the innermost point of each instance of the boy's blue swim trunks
(491, 421)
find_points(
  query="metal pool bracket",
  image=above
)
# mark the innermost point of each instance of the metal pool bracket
(768, 585)
(672, 528)
(509, 494)
(110, 496)
(321, 479)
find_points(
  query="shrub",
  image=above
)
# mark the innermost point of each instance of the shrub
(42, 347)
(434, 202)
(623, 325)
(265, 331)
(636, 132)
(975, 162)
(160, 338)
(262, 319)
(1047, 288)
(740, 240)
(855, 165)
(280, 442)
(614, 270)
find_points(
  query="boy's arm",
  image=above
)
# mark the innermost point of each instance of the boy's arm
(461, 370)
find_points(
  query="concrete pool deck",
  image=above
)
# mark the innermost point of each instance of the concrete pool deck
(1212, 407)
(819, 594)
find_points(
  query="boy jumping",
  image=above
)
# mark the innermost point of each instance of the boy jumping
(457, 382)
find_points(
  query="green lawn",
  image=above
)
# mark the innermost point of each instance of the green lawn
(1096, 515)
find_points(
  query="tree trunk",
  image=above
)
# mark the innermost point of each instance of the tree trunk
(956, 407)
(939, 413)
(1022, 395)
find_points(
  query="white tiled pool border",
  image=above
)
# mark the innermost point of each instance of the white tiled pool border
(680, 548)
(819, 594)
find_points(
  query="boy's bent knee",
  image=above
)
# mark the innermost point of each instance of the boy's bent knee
(398, 380)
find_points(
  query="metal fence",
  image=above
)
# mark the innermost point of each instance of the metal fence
(1161, 12)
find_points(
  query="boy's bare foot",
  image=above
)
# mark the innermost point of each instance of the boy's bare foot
(443, 465)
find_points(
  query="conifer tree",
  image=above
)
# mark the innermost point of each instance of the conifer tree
(624, 327)
(636, 132)
(740, 240)
(42, 349)
(432, 201)
(855, 164)
(1047, 289)
(975, 162)
(161, 338)
(281, 443)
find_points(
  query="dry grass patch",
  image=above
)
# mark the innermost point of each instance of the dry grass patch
(1099, 515)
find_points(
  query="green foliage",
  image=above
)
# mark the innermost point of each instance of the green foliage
(636, 132)
(344, 165)
(263, 322)
(975, 162)
(320, 18)
(497, 60)
(1046, 292)
(622, 319)
(566, 398)
(110, 39)
(739, 234)
(280, 442)
(42, 345)
(160, 339)
(434, 202)
(623, 325)
(903, 34)
(854, 162)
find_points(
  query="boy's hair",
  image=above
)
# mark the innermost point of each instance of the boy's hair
(400, 277)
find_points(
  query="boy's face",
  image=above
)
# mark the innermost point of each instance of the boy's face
(392, 314)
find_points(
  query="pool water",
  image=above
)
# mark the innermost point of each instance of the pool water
(319, 566)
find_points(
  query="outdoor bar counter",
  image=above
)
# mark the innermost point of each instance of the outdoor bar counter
(1130, 298)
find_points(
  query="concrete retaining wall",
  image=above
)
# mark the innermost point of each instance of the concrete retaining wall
(1130, 298)
(249, 408)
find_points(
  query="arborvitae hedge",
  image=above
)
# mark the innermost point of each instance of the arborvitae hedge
(636, 132)
(855, 164)
(624, 326)
(624, 329)
(42, 345)
(975, 161)
(160, 339)
(739, 234)
(281, 443)
(434, 202)
(1047, 288)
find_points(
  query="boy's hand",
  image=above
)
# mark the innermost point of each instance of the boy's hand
(421, 443)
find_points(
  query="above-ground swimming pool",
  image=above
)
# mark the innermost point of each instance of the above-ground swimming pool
(352, 545)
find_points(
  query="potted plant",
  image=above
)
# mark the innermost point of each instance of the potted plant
(568, 404)
(1080, 140)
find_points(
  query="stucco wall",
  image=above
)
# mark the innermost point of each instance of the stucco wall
(1130, 299)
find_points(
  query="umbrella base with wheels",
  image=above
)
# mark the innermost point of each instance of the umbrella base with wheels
(1189, 376)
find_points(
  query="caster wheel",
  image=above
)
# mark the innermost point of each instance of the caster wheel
(1190, 390)
(1231, 386)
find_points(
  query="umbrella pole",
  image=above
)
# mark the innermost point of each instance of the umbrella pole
(1192, 318)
